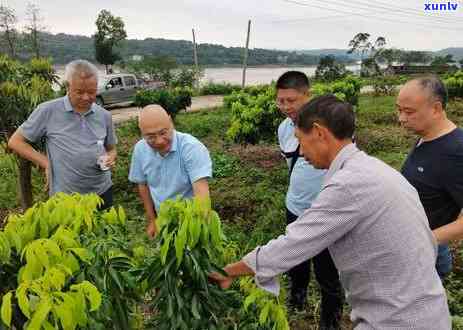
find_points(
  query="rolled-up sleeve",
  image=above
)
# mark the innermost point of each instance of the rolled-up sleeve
(333, 214)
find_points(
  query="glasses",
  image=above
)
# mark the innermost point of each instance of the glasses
(153, 136)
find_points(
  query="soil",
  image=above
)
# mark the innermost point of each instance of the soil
(263, 156)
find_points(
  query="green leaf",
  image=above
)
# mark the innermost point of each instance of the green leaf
(47, 326)
(180, 241)
(264, 313)
(91, 293)
(250, 299)
(195, 231)
(83, 254)
(6, 310)
(215, 230)
(79, 308)
(194, 307)
(122, 216)
(170, 307)
(165, 249)
(15, 240)
(23, 302)
(64, 312)
(40, 314)
(115, 278)
(70, 262)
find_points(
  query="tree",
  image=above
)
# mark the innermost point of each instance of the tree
(158, 68)
(34, 28)
(110, 32)
(442, 60)
(329, 70)
(388, 56)
(412, 57)
(22, 88)
(361, 43)
(461, 63)
(8, 30)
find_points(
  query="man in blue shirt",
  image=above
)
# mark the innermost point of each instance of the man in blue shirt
(435, 165)
(166, 164)
(304, 185)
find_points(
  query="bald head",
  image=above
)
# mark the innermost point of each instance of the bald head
(153, 117)
(156, 127)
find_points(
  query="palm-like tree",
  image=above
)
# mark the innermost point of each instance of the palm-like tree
(361, 43)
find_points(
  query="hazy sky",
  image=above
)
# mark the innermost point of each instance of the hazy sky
(276, 24)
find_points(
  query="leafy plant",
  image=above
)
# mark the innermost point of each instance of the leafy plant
(190, 239)
(328, 70)
(255, 115)
(46, 262)
(271, 310)
(22, 88)
(172, 100)
(224, 165)
(454, 84)
(347, 89)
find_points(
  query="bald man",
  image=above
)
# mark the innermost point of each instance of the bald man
(166, 164)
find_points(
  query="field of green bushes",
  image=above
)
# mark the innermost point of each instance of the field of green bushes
(247, 193)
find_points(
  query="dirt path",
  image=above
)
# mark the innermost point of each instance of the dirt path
(122, 113)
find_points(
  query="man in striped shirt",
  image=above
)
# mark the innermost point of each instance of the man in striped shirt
(371, 220)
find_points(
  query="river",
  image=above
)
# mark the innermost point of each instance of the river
(257, 75)
(254, 75)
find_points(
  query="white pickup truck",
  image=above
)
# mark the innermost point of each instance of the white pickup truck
(118, 88)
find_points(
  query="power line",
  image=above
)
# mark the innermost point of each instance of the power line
(397, 10)
(294, 20)
(369, 16)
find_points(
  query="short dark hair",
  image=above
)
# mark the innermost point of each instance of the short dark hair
(436, 88)
(331, 112)
(293, 80)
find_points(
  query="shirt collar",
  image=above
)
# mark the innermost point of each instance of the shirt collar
(174, 145)
(344, 154)
(69, 108)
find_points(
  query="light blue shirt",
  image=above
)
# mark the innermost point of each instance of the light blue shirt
(173, 174)
(305, 181)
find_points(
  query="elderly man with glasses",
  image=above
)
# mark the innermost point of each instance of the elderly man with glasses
(166, 164)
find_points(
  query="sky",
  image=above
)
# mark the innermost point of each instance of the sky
(276, 24)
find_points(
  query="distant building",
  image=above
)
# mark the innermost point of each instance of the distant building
(419, 69)
(137, 58)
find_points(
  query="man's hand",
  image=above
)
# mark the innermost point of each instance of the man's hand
(233, 271)
(151, 229)
(223, 281)
(110, 160)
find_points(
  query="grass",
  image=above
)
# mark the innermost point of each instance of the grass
(249, 184)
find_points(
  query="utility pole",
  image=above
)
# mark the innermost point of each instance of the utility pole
(245, 61)
(195, 55)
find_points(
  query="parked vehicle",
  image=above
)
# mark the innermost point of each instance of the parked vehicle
(118, 88)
